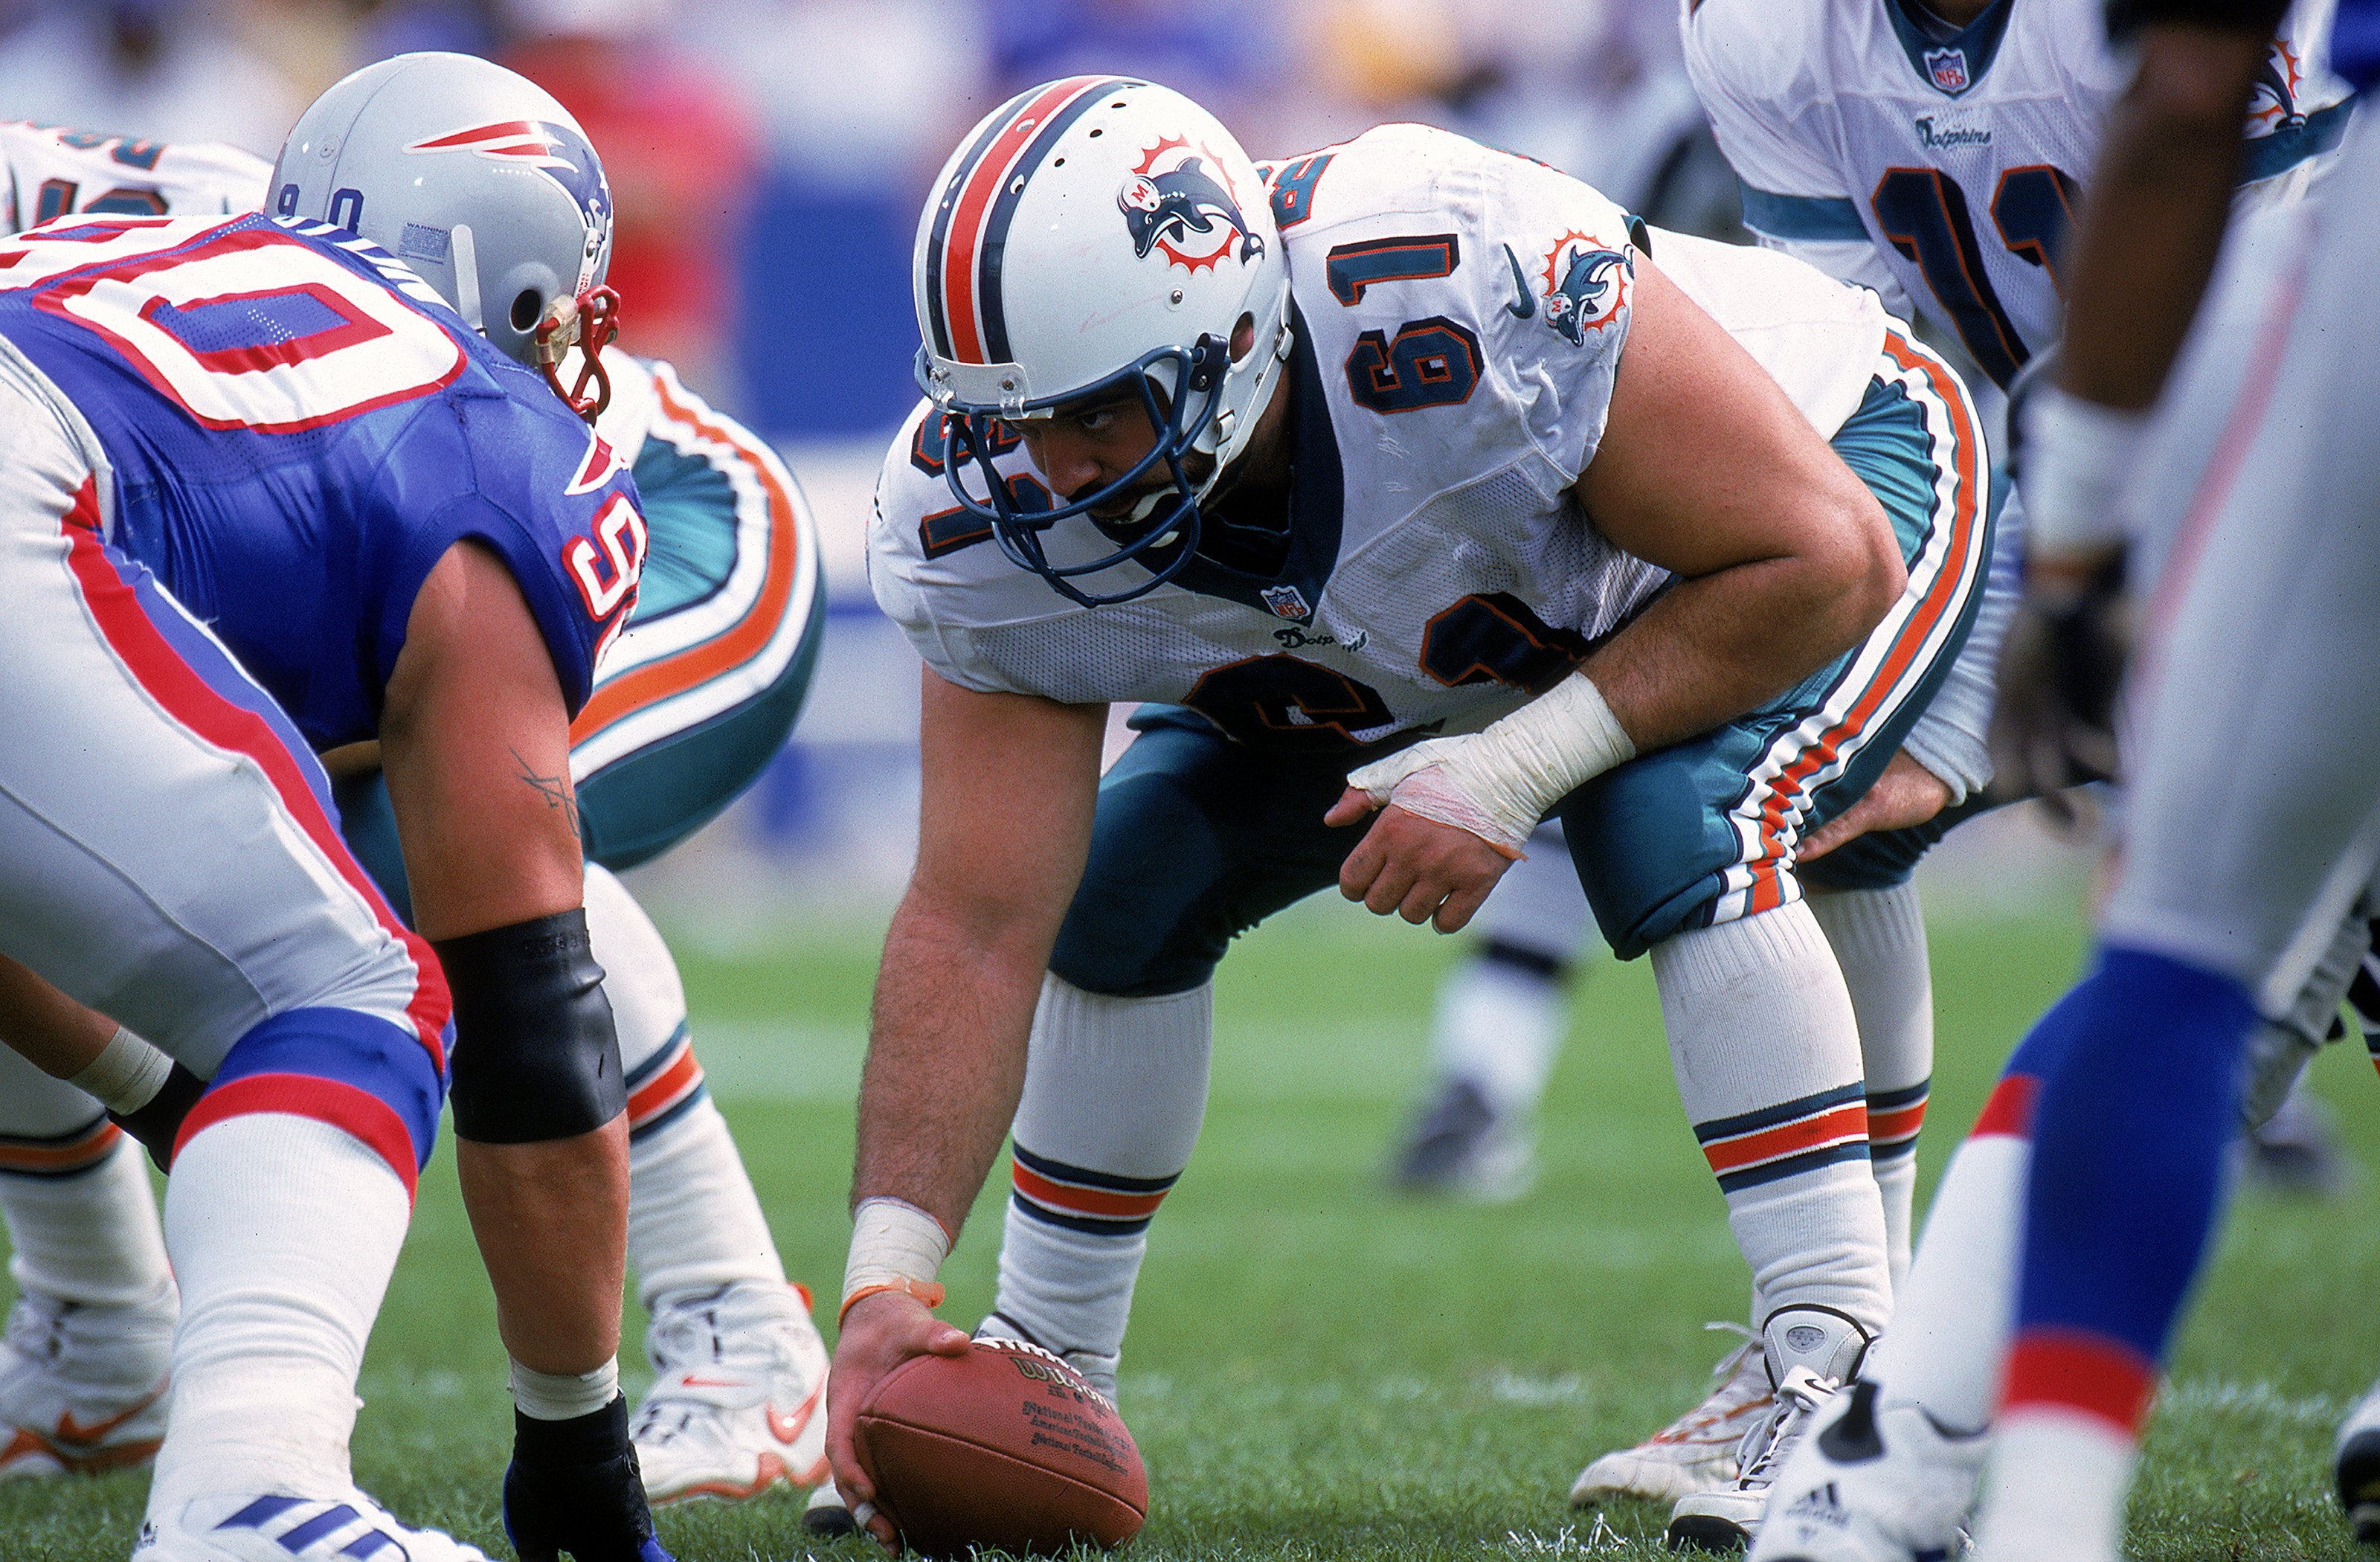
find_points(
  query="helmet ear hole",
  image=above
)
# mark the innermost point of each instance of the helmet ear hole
(528, 307)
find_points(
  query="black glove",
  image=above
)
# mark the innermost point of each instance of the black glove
(2059, 678)
(572, 1487)
(156, 1124)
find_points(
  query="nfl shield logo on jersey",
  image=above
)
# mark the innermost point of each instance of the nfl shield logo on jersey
(1287, 602)
(1948, 69)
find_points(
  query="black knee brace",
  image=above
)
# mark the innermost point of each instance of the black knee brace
(536, 1057)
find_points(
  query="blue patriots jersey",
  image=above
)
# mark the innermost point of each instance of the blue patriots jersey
(299, 429)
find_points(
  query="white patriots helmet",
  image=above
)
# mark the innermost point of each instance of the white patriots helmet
(479, 181)
(1087, 234)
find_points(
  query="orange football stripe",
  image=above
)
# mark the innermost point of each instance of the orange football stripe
(1837, 1126)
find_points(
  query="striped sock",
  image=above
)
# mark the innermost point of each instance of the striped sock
(1114, 1090)
(694, 1221)
(84, 1227)
(1766, 1050)
(1878, 937)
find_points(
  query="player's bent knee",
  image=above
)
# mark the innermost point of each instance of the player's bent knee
(357, 1072)
(535, 1056)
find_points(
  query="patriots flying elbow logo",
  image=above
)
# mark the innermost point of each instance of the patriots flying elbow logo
(1587, 285)
(1183, 210)
(558, 151)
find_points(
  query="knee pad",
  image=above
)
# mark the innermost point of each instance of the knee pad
(536, 1056)
(356, 1072)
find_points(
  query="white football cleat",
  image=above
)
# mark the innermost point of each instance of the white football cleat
(83, 1388)
(1695, 1452)
(1808, 1353)
(1873, 1482)
(275, 1528)
(739, 1402)
(2357, 1464)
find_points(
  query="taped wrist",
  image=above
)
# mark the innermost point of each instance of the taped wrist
(2080, 460)
(896, 1245)
(1499, 782)
(536, 1057)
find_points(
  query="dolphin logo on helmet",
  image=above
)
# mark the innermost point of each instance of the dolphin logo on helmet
(1167, 208)
(1587, 287)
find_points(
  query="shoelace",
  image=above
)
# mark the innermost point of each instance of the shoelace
(1798, 1399)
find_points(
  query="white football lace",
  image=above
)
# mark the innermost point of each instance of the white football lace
(1798, 1398)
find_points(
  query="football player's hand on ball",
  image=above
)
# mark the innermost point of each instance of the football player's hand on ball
(1422, 870)
(879, 1334)
(1907, 794)
(573, 1488)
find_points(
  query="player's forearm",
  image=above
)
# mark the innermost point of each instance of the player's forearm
(945, 1059)
(2153, 215)
(48, 1029)
(551, 1222)
(1716, 647)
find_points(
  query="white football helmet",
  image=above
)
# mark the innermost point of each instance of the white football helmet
(483, 184)
(1088, 233)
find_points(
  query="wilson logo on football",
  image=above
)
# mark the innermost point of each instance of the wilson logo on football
(1587, 285)
(1179, 201)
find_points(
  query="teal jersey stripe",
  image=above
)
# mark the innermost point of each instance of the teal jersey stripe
(1803, 217)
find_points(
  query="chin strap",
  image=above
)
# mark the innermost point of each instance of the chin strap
(588, 322)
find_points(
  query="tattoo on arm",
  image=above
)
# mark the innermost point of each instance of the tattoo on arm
(555, 789)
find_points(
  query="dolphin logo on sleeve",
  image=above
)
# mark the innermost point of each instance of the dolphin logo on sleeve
(1587, 285)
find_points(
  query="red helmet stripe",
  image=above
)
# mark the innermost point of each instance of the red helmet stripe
(961, 298)
(476, 133)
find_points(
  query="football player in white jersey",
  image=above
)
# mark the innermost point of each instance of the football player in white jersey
(1306, 462)
(2070, 1222)
(1878, 140)
(721, 642)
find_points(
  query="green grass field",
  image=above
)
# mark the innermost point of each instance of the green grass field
(1317, 1370)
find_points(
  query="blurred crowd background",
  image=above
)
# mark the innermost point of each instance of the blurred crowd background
(769, 158)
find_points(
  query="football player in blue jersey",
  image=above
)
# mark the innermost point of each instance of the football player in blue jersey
(405, 536)
(692, 701)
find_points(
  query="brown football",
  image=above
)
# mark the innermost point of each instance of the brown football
(1003, 1446)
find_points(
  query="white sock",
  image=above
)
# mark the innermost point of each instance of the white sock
(90, 1236)
(2056, 1491)
(1949, 1335)
(693, 1222)
(282, 1231)
(1499, 1025)
(1114, 1090)
(1878, 937)
(1766, 1054)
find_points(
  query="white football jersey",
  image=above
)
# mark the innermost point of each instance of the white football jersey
(1459, 316)
(51, 171)
(1945, 171)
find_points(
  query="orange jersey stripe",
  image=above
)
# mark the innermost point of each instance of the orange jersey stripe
(659, 680)
(1083, 1201)
(1768, 892)
(1837, 1126)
